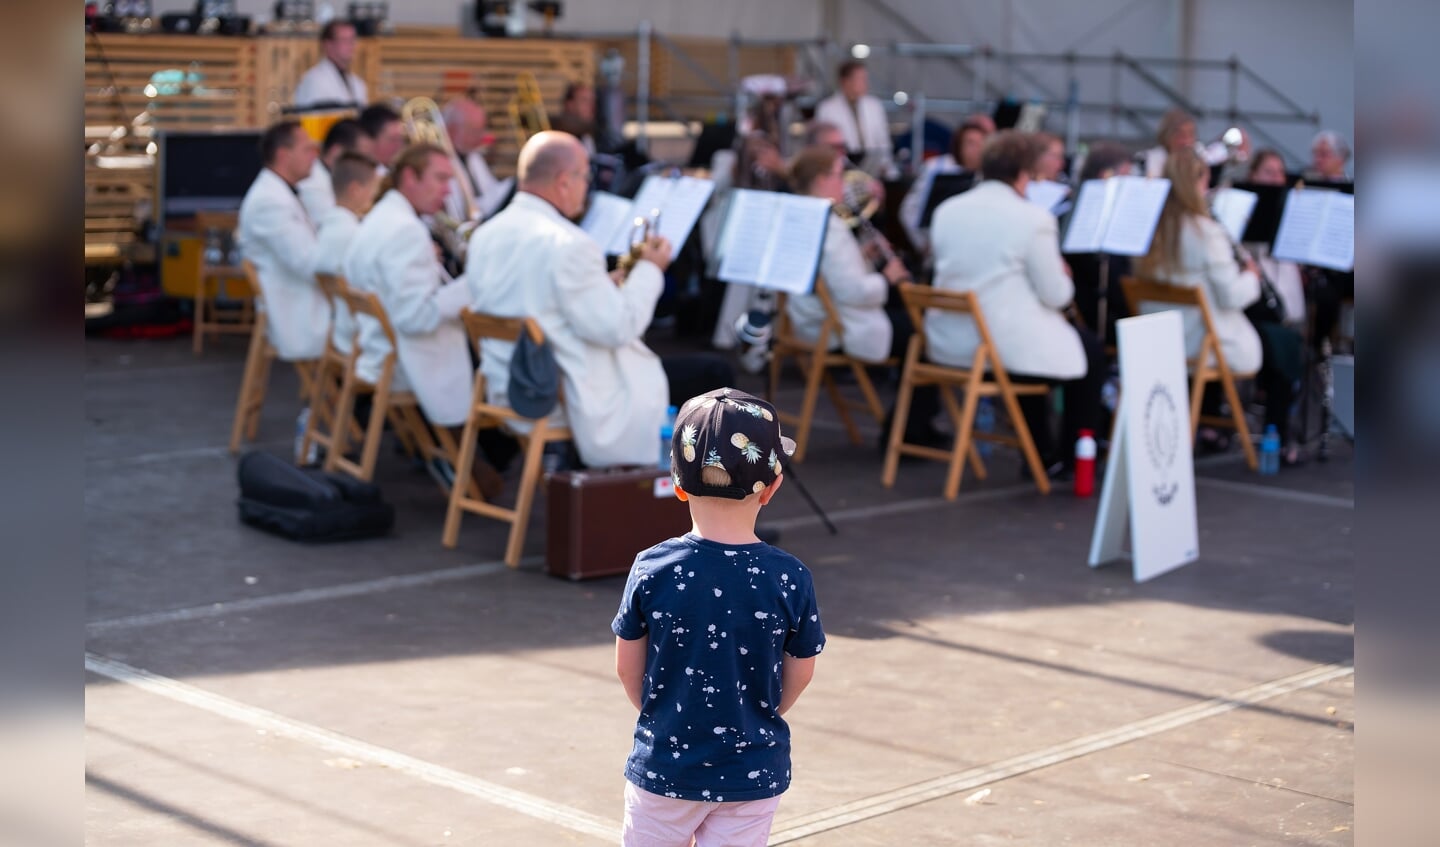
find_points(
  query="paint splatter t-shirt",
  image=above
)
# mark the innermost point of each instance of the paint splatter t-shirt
(720, 618)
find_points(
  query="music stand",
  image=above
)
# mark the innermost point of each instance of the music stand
(1265, 219)
(943, 188)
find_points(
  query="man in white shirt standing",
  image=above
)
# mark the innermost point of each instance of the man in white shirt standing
(539, 264)
(316, 191)
(861, 118)
(331, 82)
(279, 239)
(465, 122)
(354, 182)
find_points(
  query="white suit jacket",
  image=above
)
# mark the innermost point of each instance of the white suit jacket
(872, 134)
(392, 256)
(1207, 259)
(325, 84)
(858, 294)
(317, 192)
(529, 261)
(337, 232)
(279, 239)
(912, 207)
(994, 242)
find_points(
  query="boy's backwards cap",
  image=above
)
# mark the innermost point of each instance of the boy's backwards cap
(731, 430)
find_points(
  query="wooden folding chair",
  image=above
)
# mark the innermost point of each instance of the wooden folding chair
(971, 380)
(256, 379)
(483, 415)
(329, 382)
(214, 283)
(815, 361)
(1206, 367)
(400, 408)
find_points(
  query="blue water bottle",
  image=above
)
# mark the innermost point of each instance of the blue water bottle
(1270, 451)
(667, 432)
(984, 422)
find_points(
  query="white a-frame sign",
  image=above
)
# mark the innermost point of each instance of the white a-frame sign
(1150, 476)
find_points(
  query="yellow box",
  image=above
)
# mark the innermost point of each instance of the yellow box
(180, 261)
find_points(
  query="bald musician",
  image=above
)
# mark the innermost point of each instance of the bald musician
(539, 264)
(467, 124)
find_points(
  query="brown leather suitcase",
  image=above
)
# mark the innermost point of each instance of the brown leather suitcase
(598, 520)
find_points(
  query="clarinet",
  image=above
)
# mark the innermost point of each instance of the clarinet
(1269, 295)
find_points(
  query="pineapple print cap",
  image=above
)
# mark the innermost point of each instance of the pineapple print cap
(736, 432)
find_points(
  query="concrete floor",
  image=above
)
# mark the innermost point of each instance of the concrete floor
(981, 685)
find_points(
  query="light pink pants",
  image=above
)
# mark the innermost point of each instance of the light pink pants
(655, 821)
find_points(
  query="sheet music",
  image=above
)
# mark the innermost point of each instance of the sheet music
(1335, 241)
(1233, 208)
(1046, 194)
(1133, 218)
(747, 233)
(680, 200)
(1088, 221)
(607, 216)
(1299, 225)
(796, 239)
(773, 240)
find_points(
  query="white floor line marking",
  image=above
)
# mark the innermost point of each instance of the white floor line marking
(879, 510)
(1276, 493)
(123, 372)
(499, 795)
(874, 806)
(296, 598)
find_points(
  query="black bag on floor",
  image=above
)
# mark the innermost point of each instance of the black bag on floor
(305, 504)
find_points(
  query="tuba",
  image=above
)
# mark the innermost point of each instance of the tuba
(426, 125)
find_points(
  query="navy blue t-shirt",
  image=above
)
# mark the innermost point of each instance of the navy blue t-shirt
(719, 617)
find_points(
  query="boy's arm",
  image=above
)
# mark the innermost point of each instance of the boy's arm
(630, 666)
(795, 674)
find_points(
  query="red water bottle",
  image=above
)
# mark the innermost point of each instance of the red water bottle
(1085, 464)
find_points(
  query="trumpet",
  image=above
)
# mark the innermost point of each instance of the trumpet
(640, 232)
(425, 124)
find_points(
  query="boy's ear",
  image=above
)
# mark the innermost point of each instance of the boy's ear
(681, 495)
(770, 489)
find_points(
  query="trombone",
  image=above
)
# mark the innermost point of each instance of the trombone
(527, 109)
(425, 124)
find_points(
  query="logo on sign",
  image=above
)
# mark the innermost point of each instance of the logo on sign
(1162, 441)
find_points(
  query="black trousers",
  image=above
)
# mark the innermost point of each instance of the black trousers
(692, 374)
(1082, 406)
(925, 400)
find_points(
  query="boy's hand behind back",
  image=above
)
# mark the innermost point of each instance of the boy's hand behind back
(795, 675)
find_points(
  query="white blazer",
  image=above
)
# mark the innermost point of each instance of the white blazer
(529, 261)
(872, 134)
(324, 83)
(1207, 259)
(317, 193)
(912, 207)
(858, 293)
(337, 232)
(392, 256)
(279, 239)
(994, 242)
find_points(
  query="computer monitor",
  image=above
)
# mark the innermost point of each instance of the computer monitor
(205, 171)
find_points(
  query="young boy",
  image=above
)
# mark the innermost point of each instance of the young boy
(716, 638)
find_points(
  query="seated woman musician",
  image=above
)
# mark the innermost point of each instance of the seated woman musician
(964, 157)
(869, 332)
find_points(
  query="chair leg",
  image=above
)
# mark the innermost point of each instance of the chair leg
(450, 536)
(1197, 396)
(867, 388)
(1027, 442)
(344, 422)
(525, 497)
(957, 417)
(198, 342)
(1237, 414)
(379, 411)
(897, 428)
(813, 374)
(255, 368)
(842, 407)
(961, 451)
